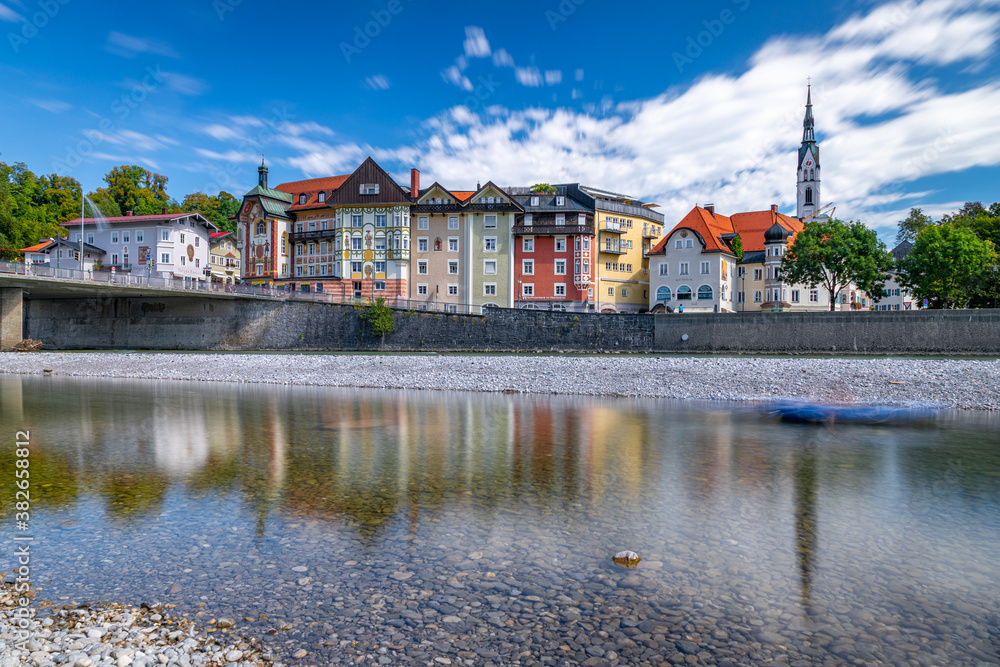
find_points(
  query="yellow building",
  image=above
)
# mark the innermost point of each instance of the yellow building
(626, 230)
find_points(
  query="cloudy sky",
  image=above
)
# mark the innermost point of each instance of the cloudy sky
(677, 103)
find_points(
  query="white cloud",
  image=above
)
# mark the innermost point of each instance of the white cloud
(130, 138)
(183, 84)
(222, 132)
(579, 75)
(503, 59)
(377, 82)
(228, 156)
(454, 76)
(528, 76)
(553, 77)
(129, 46)
(126, 159)
(55, 106)
(476, 44)
(9, 15)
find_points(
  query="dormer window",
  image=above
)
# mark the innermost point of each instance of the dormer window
(534, 201)
(560, 201)
(369, 188)
(322, 198)
(302, 199)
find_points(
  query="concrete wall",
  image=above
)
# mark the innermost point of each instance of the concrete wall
(187, 323)
(11, 322)
(866, 332)
(213, 324)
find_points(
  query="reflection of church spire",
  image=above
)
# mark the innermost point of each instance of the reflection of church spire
(805, 517)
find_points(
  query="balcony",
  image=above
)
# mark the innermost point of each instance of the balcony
(613, 227)
(614, 250)
(397, 254)
(309, 236)
(553, 230)
(630, 210)
(436, 208)
(651, 231)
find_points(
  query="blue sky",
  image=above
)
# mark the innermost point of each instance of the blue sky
(677, 103)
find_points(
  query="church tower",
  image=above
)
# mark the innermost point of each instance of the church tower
(809, 178)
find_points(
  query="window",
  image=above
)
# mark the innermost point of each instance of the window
(560, 219)
(379, 267)
(684, 269)
(298, 228)
(683, 293)
(813, 296)
(611, 291)
(534, 201)
(284, 244)
(704, 268)
(678, 244)
(528, 289)
(795, 296)
(322, 198)
(114, 237)
(490, 244)
(586, 267)
(197, 262)
(452, 244)
(586, 243)
(164, 258)
(452, 290)
(628, 268)
(741, 271)
(490, 221)
(453, 222)
(422, 244)
(663, 294)
(302, 200)
(758, 274)
(260, 269)
(560, 244)
(422, 290)
(624, 291)
(490, 267)
(577, 267)
(380, 220)
(356, 243)
(560, 267)
(182, 237)
(422, 222)
(127, 235)
(489, 289)
(756, 297)
(560, 201)
(369, 188)
(528, 219)
(261, 229)
(528, 244)
(453, 267)
(705, 293)
(312, 248)
(90, 239)
(581, 219)
(357, 220)
(663, 269)
(422, 267)
(560, 289)
(114, 259)
(380, 243)
(528, 267)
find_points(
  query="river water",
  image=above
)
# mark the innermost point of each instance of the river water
(402, 527)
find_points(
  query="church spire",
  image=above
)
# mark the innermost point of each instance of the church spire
(808, 171)
(809, 124)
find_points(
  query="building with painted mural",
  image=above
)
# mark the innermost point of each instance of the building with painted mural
(462, 248)
(346, 235)
(554, 248)
(224, 260)
(627, 229)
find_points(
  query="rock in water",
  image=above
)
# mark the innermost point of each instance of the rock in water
(629, 559)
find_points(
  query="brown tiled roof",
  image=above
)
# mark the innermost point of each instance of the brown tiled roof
(312, 187)
(750, 226)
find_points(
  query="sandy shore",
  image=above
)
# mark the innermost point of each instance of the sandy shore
(950, 383)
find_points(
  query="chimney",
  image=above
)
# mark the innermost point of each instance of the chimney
(774, 208)
(710, 208)
(414, 183)
(163, 212)
(128, 214)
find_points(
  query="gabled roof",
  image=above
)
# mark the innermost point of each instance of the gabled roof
(38, 246)
(160, 217)
(709, 227)
(437, 186)
(490, 185)
(751, 226)
(390, 192)
(75, 245)
(261, 191)
(902, 250)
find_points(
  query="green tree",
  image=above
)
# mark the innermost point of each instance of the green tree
(103, 200)
(32, 207)
(379, 317)
(542, 188)
(947, 266)
(736, 245)
(136, 189)
(912, 225)
(835, 254)
(218, 209)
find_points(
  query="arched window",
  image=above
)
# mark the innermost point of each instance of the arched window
(809, 195)
(663, 293)
(705, 293)
(261, 228)
(683, 293)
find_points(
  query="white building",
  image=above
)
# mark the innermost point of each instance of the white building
(168, 245)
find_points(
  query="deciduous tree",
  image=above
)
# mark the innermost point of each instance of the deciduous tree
(912, 225)
(947, 266)
(835, 254)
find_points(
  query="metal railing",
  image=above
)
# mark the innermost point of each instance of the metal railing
(628, 209)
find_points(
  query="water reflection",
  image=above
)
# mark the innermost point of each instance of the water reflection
(215, 491)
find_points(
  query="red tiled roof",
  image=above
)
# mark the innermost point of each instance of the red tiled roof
(312, 187)
(750, 226)
(38, 246)
(462, 196)
(218, 235)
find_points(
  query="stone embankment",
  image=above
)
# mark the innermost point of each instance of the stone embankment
(947, 383)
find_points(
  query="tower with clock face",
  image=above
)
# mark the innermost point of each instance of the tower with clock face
(809, 177)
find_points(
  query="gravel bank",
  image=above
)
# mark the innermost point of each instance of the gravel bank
(949, 383)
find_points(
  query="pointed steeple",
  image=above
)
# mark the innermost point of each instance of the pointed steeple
(262, 173)
(809, 124)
